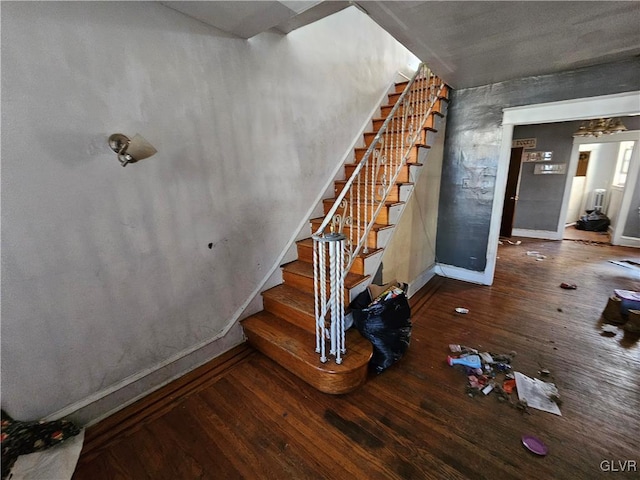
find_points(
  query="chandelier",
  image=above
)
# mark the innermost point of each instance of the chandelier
(599, 127)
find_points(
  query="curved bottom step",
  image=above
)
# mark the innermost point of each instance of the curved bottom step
(294, 349)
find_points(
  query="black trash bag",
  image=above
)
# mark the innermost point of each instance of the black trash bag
(386, 323)
(594, 222)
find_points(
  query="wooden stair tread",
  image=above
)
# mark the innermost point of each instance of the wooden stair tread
(294, 297)
(372, 251)
(305, 269)
(294, 349)
(376, 226)
(342, 182)
(409, 164)
(420, 145)
(388, 203)
(383, 118)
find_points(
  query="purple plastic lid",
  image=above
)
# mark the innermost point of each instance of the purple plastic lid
(535, 445)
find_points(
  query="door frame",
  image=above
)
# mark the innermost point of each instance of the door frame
(629, 187)
(616, 105)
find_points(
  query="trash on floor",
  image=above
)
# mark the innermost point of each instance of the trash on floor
(462, 310)
(568, 286)
(608, 328)
(538, 255)
(492, 373)
(535, 445)
(538, 394)
(471, 361)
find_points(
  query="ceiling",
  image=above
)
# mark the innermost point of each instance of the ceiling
(466, 43)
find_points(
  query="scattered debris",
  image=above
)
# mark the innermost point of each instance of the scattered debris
(568, 286)
(509, 385)
(560, 310)
(462, 310)
(518, 242)
(471, 361)
(535, 445)
(609, 329)
(538, 255)
(492, 373)
(538, 394)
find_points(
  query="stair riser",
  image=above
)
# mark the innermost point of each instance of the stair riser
(385, 110)
(359, 266)
(305, 284)
(403, 177)
(369, 265)
(372, 236)
(394, 195)
(399, 193)
(290, 314)
(418, 84)
(418, 96)
(377, 124)
(382, 218)
(326, 382)
(394, 139)
(440, 108)
(412, 158)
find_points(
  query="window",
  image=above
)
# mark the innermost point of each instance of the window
(622, 167)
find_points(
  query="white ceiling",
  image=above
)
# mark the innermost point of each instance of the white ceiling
(466, 43)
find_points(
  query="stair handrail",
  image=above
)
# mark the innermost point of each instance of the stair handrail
(330, 305)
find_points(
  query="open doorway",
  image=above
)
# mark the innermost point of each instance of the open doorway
(607, 185)
(616, 105)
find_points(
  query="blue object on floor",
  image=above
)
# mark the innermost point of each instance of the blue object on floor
(471, 361)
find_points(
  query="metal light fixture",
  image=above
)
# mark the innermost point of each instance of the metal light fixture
(599, 127)
(130, 150)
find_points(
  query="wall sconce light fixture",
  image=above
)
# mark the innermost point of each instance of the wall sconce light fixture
(130, 150)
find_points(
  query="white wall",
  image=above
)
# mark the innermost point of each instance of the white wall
(574, 211)
(602, 165)
(410, 255)
(106, 271)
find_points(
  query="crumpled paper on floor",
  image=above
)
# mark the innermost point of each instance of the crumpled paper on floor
(536, 393)
(55, 463)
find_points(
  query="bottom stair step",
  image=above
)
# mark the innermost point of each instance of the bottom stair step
(294, 349)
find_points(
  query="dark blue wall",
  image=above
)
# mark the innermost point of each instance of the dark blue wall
(472, 149)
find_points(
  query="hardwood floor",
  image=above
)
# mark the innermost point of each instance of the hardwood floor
(572, 233)
(255, 420)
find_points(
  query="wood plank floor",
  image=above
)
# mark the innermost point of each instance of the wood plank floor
(257, 421)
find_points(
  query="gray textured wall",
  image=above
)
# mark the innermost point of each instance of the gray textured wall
(632, 227)
(472, 149)
(540, 196)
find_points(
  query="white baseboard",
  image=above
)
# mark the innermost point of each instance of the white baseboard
(542, 234)
(100, 405)
(420, 281)
(629, 242)
(457, 273)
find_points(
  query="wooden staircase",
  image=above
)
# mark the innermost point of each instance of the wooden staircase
(285, 330)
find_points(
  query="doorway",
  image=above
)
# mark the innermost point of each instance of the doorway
(511, 192)
(616, 105)
(607, 185)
